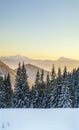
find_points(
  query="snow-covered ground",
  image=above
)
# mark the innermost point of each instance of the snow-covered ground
(39, 119)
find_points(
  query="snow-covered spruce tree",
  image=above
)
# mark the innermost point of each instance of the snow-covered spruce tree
(6, 90)
(34, 92)
(42, 94)
(65, 98)
(34, 97)
(17, 90)
(69, 77)
(18, 77)
(39, 98)
(21, 93)
(48, 84)
(47, 91)
(55, 91)
(75, 84)
(53, 74)
(37, 80)
(2, 105)
(25, 87)
(73, 79)
(59, 77)
(65, 73)
(76, 87)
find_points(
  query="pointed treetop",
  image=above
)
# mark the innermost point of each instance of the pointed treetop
(19, 64)
(48, 78)
(65, 72)
(42, 76)
(37, 80)
(59, 73)
(8, 76)
(53, 73)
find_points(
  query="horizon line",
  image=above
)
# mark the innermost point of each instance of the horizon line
(61, 57)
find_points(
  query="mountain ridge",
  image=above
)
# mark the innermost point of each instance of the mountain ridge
(5, 69)
(12, 62)
(20, 56)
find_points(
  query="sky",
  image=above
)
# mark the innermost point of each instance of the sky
(39, 29)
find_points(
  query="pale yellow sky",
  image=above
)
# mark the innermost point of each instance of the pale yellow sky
(41, 56)
(40, 29)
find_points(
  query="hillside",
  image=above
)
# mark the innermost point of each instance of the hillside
(4, 70)
(32, 70)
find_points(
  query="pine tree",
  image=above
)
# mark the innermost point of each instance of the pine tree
(47, 91)
(37, 80)
(53, 73)
(65, 99)
(18, 77)
(59, 75)
(2, 105)
(39, 89)
(75, 83)
(55, 90)
(54, 95)
(21, 92)
(34, 97)
(35, 92)
(65, 72)
(42, 94)
(48, 84)
(42, 77)
(17, 89)
(6, 93)
(25, 87)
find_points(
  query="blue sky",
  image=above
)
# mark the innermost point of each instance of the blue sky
(44, 29)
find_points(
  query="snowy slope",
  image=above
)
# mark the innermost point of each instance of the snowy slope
(39, 119)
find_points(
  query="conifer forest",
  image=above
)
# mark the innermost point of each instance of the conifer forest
(60, 90)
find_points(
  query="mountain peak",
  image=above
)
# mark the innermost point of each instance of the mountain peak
(65, 59)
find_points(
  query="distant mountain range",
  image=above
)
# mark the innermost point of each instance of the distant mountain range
(13, 61)
(10, 64)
